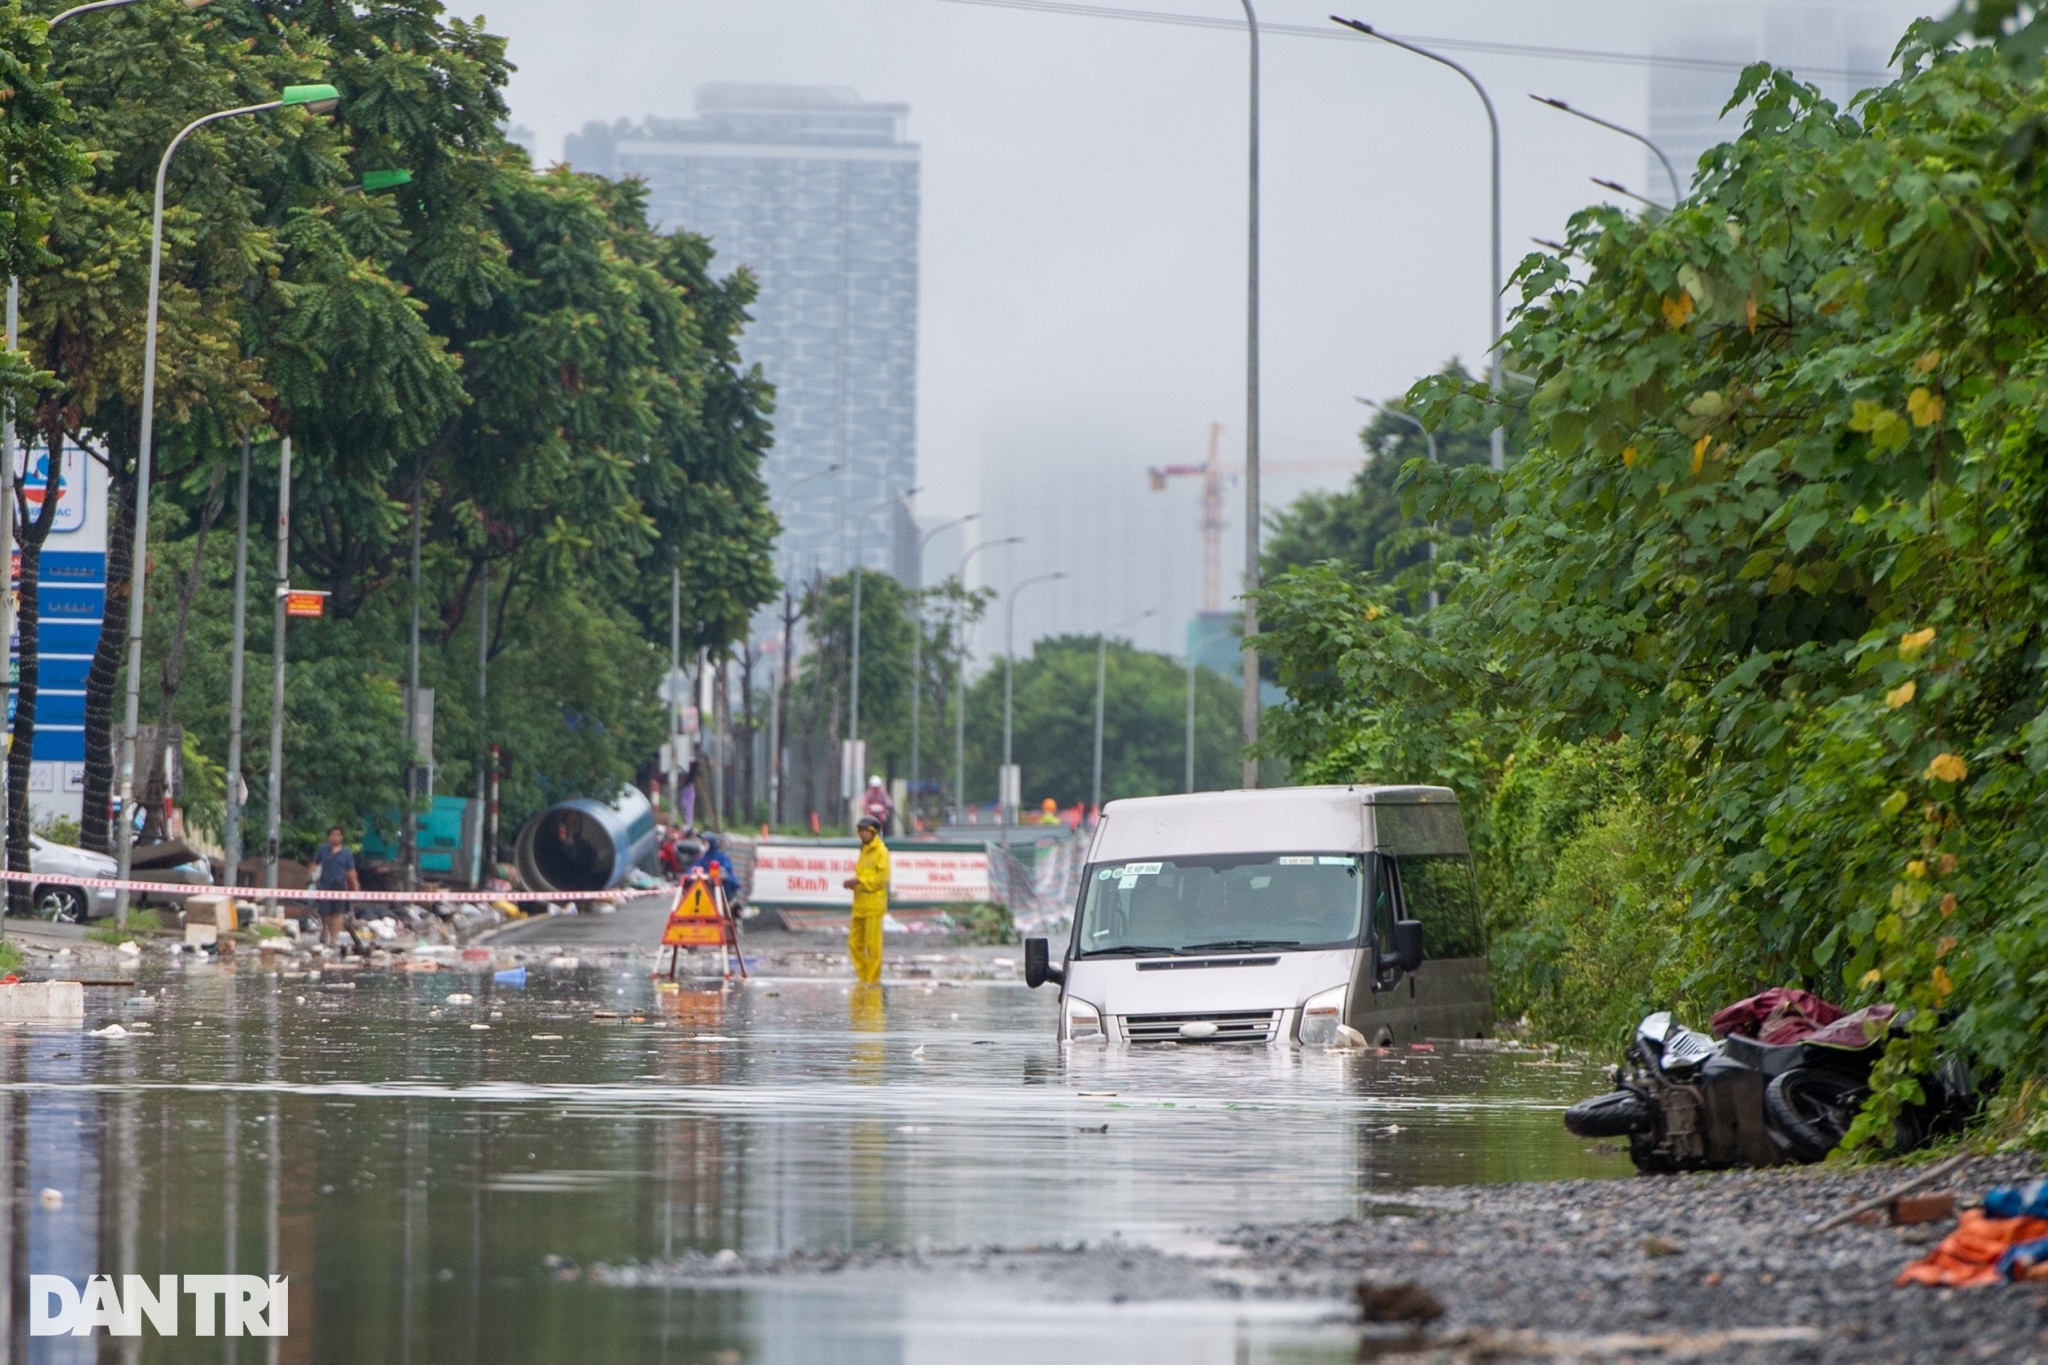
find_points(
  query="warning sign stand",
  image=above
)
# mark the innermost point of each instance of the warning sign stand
(702, 919)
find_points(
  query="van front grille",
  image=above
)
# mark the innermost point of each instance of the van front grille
(1244, 1026)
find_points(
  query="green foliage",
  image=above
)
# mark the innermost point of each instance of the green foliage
(988, 925)
(1778, 523)
(1364, 526)
(553, 383)
(1144, 729)
(140, 921)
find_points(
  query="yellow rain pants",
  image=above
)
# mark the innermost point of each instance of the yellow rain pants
(870, 903)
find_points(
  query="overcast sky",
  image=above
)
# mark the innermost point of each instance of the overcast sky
(1084, 201)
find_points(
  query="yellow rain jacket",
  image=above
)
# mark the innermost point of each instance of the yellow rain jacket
(871, 871)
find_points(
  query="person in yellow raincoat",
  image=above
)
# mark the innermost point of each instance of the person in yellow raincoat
(870, 887)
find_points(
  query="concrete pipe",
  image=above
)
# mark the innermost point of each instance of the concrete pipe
(585, 845)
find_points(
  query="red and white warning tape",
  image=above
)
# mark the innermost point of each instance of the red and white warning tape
(264, 893)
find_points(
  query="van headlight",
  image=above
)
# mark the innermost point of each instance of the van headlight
(1084, 1022)
(1320, 1017)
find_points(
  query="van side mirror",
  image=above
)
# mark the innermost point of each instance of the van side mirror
(1407, 944)
(1038, 968)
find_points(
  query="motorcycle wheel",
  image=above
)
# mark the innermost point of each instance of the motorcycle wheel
(1619, 1114)
(1809, 1110)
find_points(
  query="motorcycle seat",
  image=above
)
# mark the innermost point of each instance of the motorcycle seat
(1769, 1058)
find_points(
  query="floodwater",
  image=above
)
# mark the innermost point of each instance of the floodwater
(436, 1178)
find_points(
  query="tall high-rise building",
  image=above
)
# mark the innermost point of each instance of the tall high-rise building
(1840, 46)
(816, 191)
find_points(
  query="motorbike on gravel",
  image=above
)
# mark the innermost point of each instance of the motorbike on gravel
(1686, 1101)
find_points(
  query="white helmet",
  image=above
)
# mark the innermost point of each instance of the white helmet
(875, 781)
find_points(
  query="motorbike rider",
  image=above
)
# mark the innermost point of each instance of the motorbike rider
(715, 862)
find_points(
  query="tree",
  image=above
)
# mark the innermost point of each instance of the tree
(1364, 525)
(1779, 523)
(1144, 732)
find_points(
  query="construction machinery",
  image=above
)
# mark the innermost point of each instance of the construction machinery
(1214, 474)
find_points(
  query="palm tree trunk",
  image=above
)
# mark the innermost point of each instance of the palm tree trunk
(95, 827)
(33, 535)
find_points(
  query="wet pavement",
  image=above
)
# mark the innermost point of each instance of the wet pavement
(515, 1176)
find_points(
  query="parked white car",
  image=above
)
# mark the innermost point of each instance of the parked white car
(69, 904)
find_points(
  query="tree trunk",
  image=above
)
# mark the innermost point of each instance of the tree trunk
(96, 826)
(173, 673)
(32, 534)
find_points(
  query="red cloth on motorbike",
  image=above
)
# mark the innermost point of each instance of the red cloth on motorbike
(1969, 1255)
(1857, 1031)
(1779, 1015)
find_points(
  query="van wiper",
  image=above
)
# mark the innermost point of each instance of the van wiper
(1130, 950)
(1235, 945)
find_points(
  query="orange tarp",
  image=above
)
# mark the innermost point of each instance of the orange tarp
(1969, 1255)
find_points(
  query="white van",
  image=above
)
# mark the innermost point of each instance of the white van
(1275, 917)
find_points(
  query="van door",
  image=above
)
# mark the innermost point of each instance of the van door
(1383, 1007)
(1452, 993)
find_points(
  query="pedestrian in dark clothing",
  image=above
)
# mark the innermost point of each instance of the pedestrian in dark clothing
(337, 872)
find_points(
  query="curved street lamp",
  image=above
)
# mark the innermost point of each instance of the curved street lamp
(853, 707)
(917, 652)
(1101, 676)
(314, 99)
(1004, 799)
(782, 667)
(1493, 371)
(1676, 192)
(960, 681)
(1429, 439)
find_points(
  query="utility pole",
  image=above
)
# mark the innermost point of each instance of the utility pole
(1101, 679)
(1251, 427)
(483, 713)
(277, 643)
(1010, 792)
(917, 659)
(675, 690)
(231, 817)
(410, 822)
(1190, 780)
(960, 682)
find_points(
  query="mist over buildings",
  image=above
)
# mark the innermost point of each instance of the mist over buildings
(1002, 252)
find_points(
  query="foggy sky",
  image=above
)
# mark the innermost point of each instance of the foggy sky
(1083, 219)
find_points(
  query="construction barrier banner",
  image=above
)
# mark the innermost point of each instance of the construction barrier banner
(265, 893)
(799, 875)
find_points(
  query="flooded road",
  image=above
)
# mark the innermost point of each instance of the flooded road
(457, 1180)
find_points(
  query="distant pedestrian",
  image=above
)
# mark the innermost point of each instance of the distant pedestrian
(687, 793)
(337, 872)
(870, 887)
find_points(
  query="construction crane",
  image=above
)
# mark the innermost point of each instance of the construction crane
(1214, 474)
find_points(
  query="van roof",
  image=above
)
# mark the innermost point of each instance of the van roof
(1299, 819)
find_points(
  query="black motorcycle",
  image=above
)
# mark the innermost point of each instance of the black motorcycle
(1687, 1102)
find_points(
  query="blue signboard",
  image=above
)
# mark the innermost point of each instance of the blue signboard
(71, 604)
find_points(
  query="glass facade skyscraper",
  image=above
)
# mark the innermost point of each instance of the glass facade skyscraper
(816, 191)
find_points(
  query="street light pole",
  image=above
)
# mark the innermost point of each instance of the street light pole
(1007, 800)
(960, 683)
(318, 99)
(917, 651)
(1429, 439)
(1250, 720)
(781, 679)
(1676, 192)
(231, 816)
(282, 586)
(1494, 373)
(853, 689)
(1101, 678)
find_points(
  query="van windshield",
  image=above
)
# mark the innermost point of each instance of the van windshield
(1222, 903)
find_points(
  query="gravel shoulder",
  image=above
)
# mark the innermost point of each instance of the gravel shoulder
(1705, 1267)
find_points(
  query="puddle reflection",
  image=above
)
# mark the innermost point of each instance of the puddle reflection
(435, 1175)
